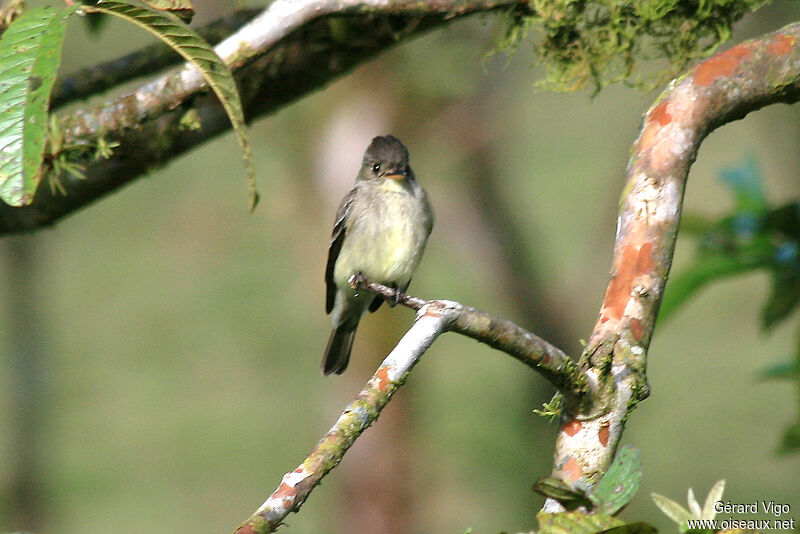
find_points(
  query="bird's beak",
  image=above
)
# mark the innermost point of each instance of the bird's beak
(395, 174)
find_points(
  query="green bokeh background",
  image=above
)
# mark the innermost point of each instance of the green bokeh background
(181, 336)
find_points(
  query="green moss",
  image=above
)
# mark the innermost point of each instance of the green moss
(599, 42)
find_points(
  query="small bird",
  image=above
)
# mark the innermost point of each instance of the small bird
(380, 232)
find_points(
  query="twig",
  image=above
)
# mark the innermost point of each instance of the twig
(503, 335)
(433, 319)
(296, 485)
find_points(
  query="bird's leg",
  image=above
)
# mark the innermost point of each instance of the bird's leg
(357, 280)
(397, 297)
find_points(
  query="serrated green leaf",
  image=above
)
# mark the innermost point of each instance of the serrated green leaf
(199, 53)
(181, 8)
(30, 53)
(671, 509)
(559, 490)
(632, 528)
(714, 495)
(620, 483)
(575, 523)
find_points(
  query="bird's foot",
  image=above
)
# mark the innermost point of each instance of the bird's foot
(396, 298)
(357, 280)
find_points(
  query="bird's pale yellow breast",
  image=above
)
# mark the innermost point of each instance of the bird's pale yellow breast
(387, 234)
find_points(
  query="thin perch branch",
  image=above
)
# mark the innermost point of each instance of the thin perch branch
(296, 485)
(505, 336)
(433, 319)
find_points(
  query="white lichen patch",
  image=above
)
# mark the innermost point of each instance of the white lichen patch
(276, 506)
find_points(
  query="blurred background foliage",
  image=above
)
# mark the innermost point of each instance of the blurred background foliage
(160, 356)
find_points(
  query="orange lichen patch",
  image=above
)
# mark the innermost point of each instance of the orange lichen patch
(602, 434)
(619, 288)
(636, 329)
(572, 469)
(571, 427)
(635, 262)
(649, 136)
(284, 491)
(434, 310)
(780, 45)
(660, 114)
(383, 379)
(246, 529)
(644, 260)
(720, 66)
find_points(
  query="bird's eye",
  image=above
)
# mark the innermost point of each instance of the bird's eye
(376, 167)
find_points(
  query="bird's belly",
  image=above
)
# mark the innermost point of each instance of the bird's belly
(382, 251)
(393, 255)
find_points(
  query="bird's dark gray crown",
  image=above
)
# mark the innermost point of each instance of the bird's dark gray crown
(387, 150)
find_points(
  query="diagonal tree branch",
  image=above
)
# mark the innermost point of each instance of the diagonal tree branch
(433, 319)
(722, 89)
(149, 60)
(505, 336)
(291, 49)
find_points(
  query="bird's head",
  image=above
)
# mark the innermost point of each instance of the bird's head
(386, 158)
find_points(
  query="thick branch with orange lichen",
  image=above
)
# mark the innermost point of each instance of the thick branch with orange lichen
(721, 89)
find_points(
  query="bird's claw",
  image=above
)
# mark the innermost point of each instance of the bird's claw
(396, 298)
(356, 280)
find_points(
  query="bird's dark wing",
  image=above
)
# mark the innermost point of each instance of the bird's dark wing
(337, 238)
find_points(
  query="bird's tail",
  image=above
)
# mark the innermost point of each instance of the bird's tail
(337, 354)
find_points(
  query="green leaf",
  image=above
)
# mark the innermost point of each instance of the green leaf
(620, 483)
(784, 297)
(706, 269)
(559, 490)
(785, 220)
(790, 442)
(575, 523)
(180, 8)
(632, 528)
(30, 53)
(788, 370)
(195, 50)
(673, 510)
